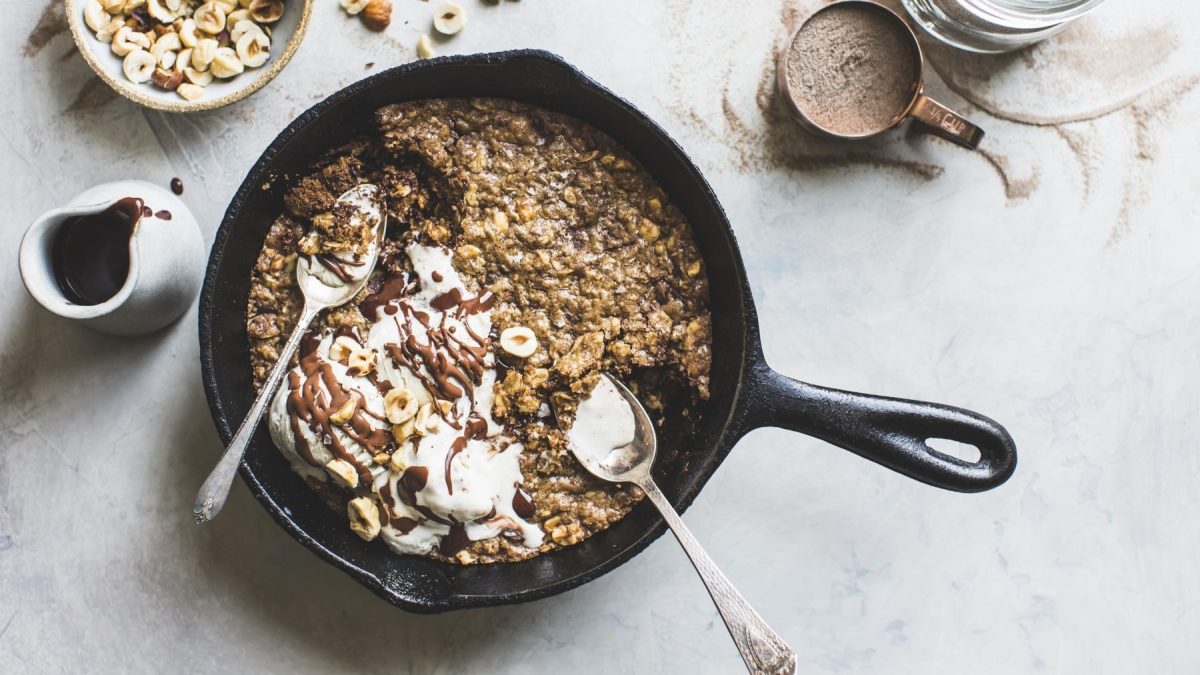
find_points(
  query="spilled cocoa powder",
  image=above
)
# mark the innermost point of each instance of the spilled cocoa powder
(852, 69)
(52, 21)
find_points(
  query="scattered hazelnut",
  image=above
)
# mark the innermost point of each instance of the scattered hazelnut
(361, 362)
(203, 54)
(94, 15)
(343, 472)
(364, 517)
(404, 431)
(343, 414)
(425, 48)
(400, 405)
(377, 14)
(426, 421)
(342, 347)
(397, 464)
(518, 341)
(450, 18)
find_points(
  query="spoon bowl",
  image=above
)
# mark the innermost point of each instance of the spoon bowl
(319, 282)
(631, 463)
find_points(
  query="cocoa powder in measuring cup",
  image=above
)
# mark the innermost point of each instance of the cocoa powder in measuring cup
(852, 69)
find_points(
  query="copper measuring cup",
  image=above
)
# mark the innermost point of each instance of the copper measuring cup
(931, 117)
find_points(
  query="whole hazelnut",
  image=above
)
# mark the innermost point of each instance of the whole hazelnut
(377, 15)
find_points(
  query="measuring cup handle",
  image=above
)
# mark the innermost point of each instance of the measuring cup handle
(935, 118)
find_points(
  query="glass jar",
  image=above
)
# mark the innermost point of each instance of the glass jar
(994, 26)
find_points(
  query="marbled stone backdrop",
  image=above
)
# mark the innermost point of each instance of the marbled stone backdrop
(1051, 281)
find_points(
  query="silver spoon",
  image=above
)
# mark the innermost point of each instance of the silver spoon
(763, 650)
(365, 205)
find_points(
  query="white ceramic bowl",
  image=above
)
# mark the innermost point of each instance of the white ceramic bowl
(286, 35)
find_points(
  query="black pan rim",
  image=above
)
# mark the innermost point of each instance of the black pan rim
(732, 428)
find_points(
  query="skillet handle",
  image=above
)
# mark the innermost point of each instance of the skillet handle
(889, 431)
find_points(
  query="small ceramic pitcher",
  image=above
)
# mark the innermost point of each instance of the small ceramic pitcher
(166, 261)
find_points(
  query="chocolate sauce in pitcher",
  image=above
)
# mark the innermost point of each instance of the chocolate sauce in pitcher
(90, 254)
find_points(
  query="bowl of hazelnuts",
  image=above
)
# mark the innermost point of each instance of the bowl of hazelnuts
(186, 55)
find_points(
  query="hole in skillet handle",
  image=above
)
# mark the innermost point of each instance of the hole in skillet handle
(952, 448)
(893, 432)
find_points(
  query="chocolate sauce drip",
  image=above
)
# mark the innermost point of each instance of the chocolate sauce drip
(436, 276)
(90, 254)
(386, 297)
(338, 266)
(447, 300)
(411, 482)
(454, 541)
(404, 525)
(147, 211)
(522, 503)
(309, 343)
(314, 395)
(162, 214)
(176, 186)
(476, 430)
(456, 447)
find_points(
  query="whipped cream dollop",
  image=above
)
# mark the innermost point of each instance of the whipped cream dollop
(453, 475)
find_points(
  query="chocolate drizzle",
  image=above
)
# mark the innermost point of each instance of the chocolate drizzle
(455, 540)
(387, 297)
(446, 364)
(338, 266)
(476, 430)
(314, 395)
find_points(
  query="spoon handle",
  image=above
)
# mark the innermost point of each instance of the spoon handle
(763, 650)
(212, 494)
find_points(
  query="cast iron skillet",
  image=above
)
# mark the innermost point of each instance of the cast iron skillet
(746, 393)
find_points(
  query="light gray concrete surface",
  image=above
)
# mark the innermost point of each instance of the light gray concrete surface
(1050, 282)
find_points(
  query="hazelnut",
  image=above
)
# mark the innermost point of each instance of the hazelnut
(266, 11)
(518, 341)
(364, 517)
(166, 79)
(426, 421)
(377, 14)
(397, 463)
(343, 473)
(361, 362)
(189, 91)
(210, 18)
(400, 405)
(425, 48)
(344, 413)
(404, 431)
(341, 349)
(450, 18)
